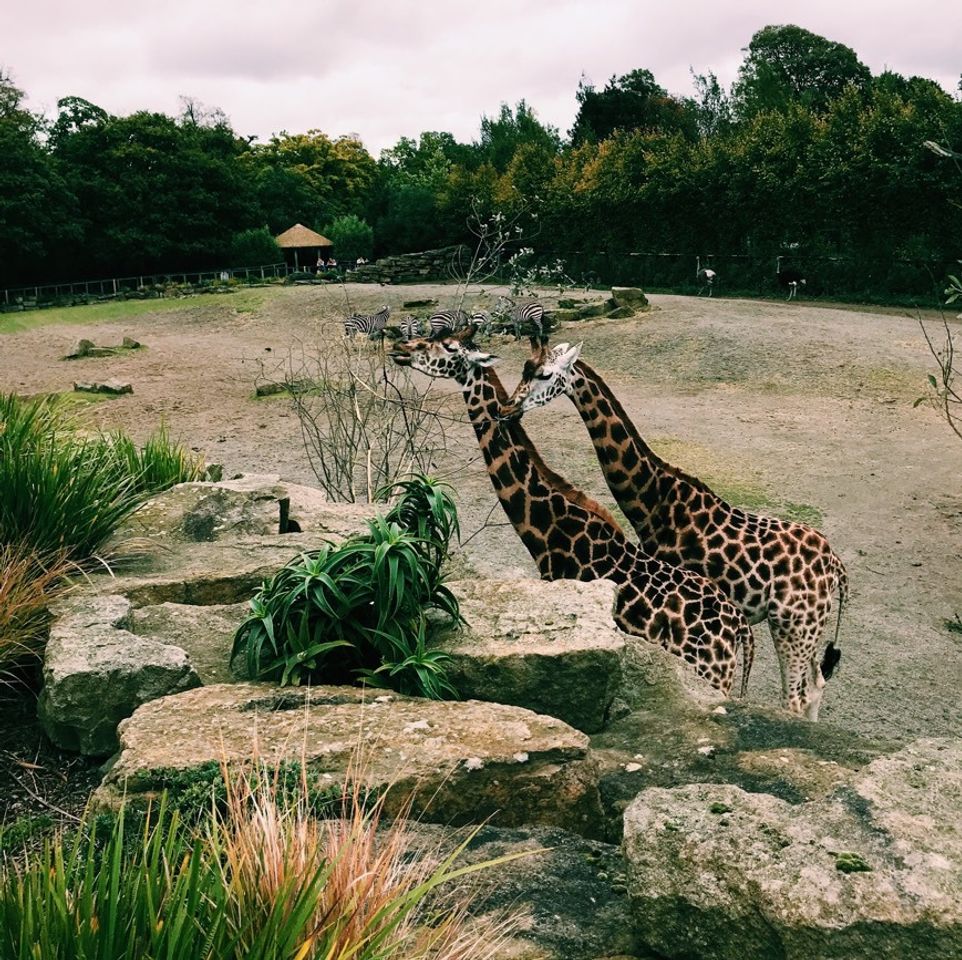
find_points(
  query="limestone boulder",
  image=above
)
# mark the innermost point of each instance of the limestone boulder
(873, 869)
(205, 632)
(674, 739)
(113, 386)
(251, 505)
(457, 762)
(96, 673)
(629, 297)
(566, 894)
(550, 647)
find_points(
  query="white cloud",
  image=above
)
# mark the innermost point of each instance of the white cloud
(387, 70)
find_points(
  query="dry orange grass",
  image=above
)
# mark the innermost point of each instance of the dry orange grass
(28, 582)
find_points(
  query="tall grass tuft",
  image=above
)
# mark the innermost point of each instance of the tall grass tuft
(65, 493)
(27, 583)
(263, 881)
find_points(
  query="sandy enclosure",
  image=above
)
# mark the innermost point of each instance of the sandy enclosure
(784, 408)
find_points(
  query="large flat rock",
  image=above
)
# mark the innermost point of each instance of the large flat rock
(250, 505)
(871, 870)
(550, 647)
(96, 673)
(463, 762)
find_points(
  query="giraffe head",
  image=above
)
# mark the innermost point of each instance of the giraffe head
(546, 375)
(452, 356)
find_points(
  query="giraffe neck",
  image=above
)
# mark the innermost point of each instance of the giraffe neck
(566, 532)
(644, 486)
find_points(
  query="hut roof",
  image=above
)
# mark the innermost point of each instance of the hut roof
(301, 236)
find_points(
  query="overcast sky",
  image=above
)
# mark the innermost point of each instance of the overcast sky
(386, 70)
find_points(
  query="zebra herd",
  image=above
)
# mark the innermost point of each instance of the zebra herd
(507, 316)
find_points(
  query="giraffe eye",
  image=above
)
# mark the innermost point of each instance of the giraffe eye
(543, 376)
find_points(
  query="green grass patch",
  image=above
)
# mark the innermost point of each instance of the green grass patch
(18, 834)
(244, 301)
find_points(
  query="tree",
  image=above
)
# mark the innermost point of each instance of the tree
(501, 136)
(631, 102)
(156, 194)
(37, 211)
(788, 64)
(712, 106)
(352, 238)
(254, 248)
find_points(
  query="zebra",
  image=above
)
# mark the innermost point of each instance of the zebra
(447, 321)
(371, 324)
(411, 327)
(520, 316)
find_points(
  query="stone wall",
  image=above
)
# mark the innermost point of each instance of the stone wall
(414, 267)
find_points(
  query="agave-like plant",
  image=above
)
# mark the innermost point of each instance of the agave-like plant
(361, 610)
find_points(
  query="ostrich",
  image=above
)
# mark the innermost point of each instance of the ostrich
(791, 279)
(705, 277)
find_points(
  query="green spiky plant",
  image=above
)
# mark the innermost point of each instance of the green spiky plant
(362, 610)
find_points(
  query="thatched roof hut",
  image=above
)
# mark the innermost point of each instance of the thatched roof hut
(303, 247)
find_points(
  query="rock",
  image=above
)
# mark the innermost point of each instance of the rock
(677, 739)
(129, 343)
(107, 386)
(873, 869)
(550, 647)
(592, 310)
(562, 316)
(456, 762)
(206, 633)
(621, 313)
(252, 505)
(629, 297)
(96, 673)
(81, 348)
(567, 895)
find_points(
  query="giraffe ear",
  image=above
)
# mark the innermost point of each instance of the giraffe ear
(571, 354)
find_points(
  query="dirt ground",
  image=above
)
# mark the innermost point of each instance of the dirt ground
(786, 408)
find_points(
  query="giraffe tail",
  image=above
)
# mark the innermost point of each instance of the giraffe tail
(833, 652)
(747, 640)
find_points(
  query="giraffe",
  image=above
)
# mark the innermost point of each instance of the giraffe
(570, 536)
(775, 570)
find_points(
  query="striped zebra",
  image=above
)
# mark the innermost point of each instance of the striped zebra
(411, 328)
(518, 317)
(451, 321)
(371, 324)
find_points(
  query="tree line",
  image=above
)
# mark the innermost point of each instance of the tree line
(808, 154)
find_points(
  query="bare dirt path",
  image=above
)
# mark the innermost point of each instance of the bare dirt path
(783, 408)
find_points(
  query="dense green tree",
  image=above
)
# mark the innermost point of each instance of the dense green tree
(352, 238)
(310, 178)
(501, 136)
(788, 64)
(38, 215)
(631, 102)
(254, 248)
(155, 194)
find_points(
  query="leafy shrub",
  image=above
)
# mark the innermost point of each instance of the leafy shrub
(352, 238)
(361, 610)
(254, 248)
(262, 880)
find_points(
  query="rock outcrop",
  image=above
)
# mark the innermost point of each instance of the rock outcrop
(96, 673)
(550, 647)
(871, 870)
(455, 762)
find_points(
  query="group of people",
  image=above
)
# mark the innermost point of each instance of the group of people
(331, 263)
